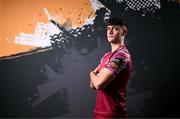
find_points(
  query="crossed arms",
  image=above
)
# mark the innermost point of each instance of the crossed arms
(99, 80)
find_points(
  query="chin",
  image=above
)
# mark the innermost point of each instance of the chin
(114, 41)
(110, 40)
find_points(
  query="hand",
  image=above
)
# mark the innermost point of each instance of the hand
(92, 73)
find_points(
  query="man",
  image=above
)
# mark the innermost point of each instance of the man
(111, 76)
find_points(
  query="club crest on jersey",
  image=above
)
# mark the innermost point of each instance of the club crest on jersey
(118, 62)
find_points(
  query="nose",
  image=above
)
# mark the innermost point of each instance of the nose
(111, 31)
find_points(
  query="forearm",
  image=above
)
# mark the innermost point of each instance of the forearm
(102, 79)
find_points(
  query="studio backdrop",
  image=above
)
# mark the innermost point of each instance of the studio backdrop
(48, 48)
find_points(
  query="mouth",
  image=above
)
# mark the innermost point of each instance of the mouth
(110, 36)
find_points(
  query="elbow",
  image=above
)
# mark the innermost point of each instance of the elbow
(92, 86)
(99, 87)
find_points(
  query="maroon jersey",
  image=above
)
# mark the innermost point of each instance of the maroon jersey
(110, 101)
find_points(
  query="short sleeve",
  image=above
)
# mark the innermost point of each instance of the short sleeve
(117, 64)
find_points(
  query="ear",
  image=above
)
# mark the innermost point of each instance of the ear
(125, 30)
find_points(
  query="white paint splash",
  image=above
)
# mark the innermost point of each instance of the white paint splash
(96, 5)
(44, 31)
(49, 16)
(89, 21)
(41, 36)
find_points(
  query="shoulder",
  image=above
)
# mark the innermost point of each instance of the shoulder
(106, 54)
(104, 57)
(122, 53)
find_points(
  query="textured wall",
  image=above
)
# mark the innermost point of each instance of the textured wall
(55, 82)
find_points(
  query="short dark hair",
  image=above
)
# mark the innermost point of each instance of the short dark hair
(120, 21)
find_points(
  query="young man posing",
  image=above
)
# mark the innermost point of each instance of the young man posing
(111, 76)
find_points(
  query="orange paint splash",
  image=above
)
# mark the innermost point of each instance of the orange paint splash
(22, 15)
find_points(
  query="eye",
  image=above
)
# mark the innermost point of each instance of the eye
(116, 28)
(108, 28)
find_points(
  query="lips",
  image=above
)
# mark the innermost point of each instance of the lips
(110, 36)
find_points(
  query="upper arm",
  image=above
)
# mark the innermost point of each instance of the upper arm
(117, 64)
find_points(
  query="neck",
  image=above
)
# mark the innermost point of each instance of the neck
(116, 46)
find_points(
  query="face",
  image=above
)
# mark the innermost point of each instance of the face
(114, 33)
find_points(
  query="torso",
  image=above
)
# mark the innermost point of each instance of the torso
(111, 100)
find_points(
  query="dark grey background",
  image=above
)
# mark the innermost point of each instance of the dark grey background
(55, 83)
